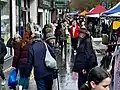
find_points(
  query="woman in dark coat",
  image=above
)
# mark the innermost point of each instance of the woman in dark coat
(85, 57)
(16, 46)
(23, 59)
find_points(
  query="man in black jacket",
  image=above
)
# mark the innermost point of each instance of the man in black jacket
(85, 58)
(3, 52)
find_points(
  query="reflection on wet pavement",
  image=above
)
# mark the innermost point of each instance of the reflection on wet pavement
(65, 73)
(66, 81)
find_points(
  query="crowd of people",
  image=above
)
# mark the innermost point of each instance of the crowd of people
(30, 51)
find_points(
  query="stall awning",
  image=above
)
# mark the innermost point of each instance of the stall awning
(83, 13)
(75, 12)
(115, 11)
(97, 10)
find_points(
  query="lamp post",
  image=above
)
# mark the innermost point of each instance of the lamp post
(11, 18)
(19, 6)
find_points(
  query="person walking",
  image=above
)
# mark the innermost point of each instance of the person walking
(16, 44)
(3, 52)
(36, 58)
(23, 58)
(74, 33)
(85, 58)
(98, 79)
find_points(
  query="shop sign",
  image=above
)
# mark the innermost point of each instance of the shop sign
(47, 3)
(3, 0)
(60, 4)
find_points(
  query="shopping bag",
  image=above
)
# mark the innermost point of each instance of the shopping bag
(49, 60)
(12, 79)
(105, 39)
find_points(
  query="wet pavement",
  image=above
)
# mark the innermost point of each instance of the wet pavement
(66, 81)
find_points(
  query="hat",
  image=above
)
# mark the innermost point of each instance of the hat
(37, 34)
(17, 36)
(48, 30)
(50, 36)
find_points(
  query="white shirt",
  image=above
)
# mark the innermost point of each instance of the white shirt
(74, 30)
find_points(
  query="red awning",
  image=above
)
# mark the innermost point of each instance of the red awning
(98, 9)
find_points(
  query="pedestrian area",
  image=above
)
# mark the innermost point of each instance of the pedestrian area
(66, 81)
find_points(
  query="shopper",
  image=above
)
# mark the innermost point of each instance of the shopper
(98, 79)
(3, 52)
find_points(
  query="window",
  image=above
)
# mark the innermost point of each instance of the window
(5, 23)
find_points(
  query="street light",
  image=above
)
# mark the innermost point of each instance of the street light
(19, 5)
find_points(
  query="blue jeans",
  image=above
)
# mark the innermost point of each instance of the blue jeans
(44, 83)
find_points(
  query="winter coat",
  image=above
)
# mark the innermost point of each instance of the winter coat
(85, 57)
(16, 47)
(36, 58)
(23, 56)
(3, 52)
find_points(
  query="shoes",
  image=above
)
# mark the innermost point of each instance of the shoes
(20, 87)
(3, 82)
(75, 52)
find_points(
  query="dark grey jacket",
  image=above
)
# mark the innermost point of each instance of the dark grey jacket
(3, 52)
(85, 57)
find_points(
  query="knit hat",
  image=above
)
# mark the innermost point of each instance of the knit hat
(48, 30)
(50, 36)
(37, 34)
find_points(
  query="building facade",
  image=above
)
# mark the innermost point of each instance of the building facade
(17, 13)
(44, 12)
(5, 22)
(61, 6)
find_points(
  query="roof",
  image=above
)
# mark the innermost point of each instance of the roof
(83, 13)
(115, 11)
(97, 10)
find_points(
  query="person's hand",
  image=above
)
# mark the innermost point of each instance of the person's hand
(84, 71)
(75, 76)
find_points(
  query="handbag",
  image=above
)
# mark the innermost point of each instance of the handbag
(13, 80)
(49, 60)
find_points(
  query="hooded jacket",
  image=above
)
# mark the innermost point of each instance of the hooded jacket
(36, 59)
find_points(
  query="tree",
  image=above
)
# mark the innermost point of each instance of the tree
(113, 2)
(83, 4)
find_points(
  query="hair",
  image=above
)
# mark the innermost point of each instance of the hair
(97, 75)
(26, 38)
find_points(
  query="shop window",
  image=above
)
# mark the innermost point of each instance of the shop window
(5, 24)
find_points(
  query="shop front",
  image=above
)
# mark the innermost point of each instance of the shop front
(5, 23)
(44, 12)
